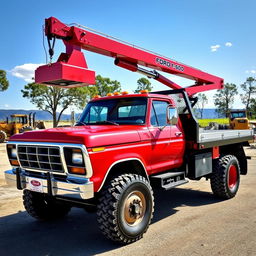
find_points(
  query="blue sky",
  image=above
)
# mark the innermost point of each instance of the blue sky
(217, 36)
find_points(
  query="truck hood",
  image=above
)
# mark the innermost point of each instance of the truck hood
(90, 136)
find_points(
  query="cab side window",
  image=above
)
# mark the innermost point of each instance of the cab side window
(158, 113)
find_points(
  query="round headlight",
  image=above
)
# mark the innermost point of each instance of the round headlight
(14, 153)
(77, 158)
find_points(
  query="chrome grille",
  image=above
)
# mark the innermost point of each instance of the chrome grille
(40, 158)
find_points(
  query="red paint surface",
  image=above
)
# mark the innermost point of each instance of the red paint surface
(215, 152)
(158, 149)
(78, 38)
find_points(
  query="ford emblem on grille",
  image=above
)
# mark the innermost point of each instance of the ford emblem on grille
(35, 183)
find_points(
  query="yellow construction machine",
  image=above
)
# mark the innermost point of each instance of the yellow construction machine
(18, 123)
(238, 120)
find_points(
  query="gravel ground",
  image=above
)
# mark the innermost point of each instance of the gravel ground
(188, 221)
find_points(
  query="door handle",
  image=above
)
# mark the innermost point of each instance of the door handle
(178, 133)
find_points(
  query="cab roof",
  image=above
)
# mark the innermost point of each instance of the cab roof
(133, 95)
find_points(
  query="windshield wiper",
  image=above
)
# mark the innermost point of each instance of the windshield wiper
(106, 122)
(80, 123)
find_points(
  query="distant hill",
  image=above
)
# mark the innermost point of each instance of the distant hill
(40, 115)
(209, 113)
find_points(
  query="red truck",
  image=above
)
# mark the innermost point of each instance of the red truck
(124, 144)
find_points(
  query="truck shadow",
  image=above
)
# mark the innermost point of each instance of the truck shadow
(78, 234)
(166, 202)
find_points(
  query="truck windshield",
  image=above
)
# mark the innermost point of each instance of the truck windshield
(238, 114)
(115, 112)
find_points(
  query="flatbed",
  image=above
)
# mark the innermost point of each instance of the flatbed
(208, 138)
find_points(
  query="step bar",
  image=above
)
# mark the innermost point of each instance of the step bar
(169, 180)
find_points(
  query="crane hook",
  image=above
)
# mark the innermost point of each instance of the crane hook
(51, 46)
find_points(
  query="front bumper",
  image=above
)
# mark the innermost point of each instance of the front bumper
(72, 187)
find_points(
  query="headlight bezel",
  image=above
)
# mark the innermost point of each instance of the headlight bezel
(75, 161)
(13, 158)
(14, 153)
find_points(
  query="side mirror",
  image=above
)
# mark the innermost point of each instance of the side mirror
(172, 115)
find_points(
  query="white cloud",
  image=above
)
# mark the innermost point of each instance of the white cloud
(6, 106)
(228, 44)
(253, 71)
(215, 48)
(25, 71)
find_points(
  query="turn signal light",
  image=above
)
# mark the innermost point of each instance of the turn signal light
(110, 94)
(98, 149)
(14, 162)
(116, 93)
(96, 97)
(125, 92)
(77, 170)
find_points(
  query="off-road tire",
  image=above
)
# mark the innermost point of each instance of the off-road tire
(42, 207)
(225, 178)
(3, 136)
(90, 208)
(113, 202)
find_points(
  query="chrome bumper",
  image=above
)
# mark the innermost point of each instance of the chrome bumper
(73, 187)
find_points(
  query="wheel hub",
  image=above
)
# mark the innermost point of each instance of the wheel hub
(134, 208)
(232, 176)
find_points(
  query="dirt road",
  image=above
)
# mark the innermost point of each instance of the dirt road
(188, 221)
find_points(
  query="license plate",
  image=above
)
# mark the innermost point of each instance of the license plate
(35, 185)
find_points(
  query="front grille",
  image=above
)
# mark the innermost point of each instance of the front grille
(45, 158)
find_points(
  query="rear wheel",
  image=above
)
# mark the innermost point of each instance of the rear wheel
(43, 207)
(3, 136)
(225, 178)
(126, 208)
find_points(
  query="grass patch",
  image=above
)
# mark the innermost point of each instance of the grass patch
(205, 122)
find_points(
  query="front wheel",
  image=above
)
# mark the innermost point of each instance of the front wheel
(43, 207)
(126, 208)
(225, 178)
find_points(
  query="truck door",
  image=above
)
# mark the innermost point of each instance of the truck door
(166, 140)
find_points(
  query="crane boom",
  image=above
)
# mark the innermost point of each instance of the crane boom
(71, 69)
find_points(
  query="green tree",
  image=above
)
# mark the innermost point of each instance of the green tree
(253, 108)
(53, 99)
(143, 84)
(249, 89)
(224, 98)
(105, 85)
(4, 83)
(202, 100)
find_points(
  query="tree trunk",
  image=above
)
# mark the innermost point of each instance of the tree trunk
(54, 118)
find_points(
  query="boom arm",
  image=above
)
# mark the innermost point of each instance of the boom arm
(71, 69)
